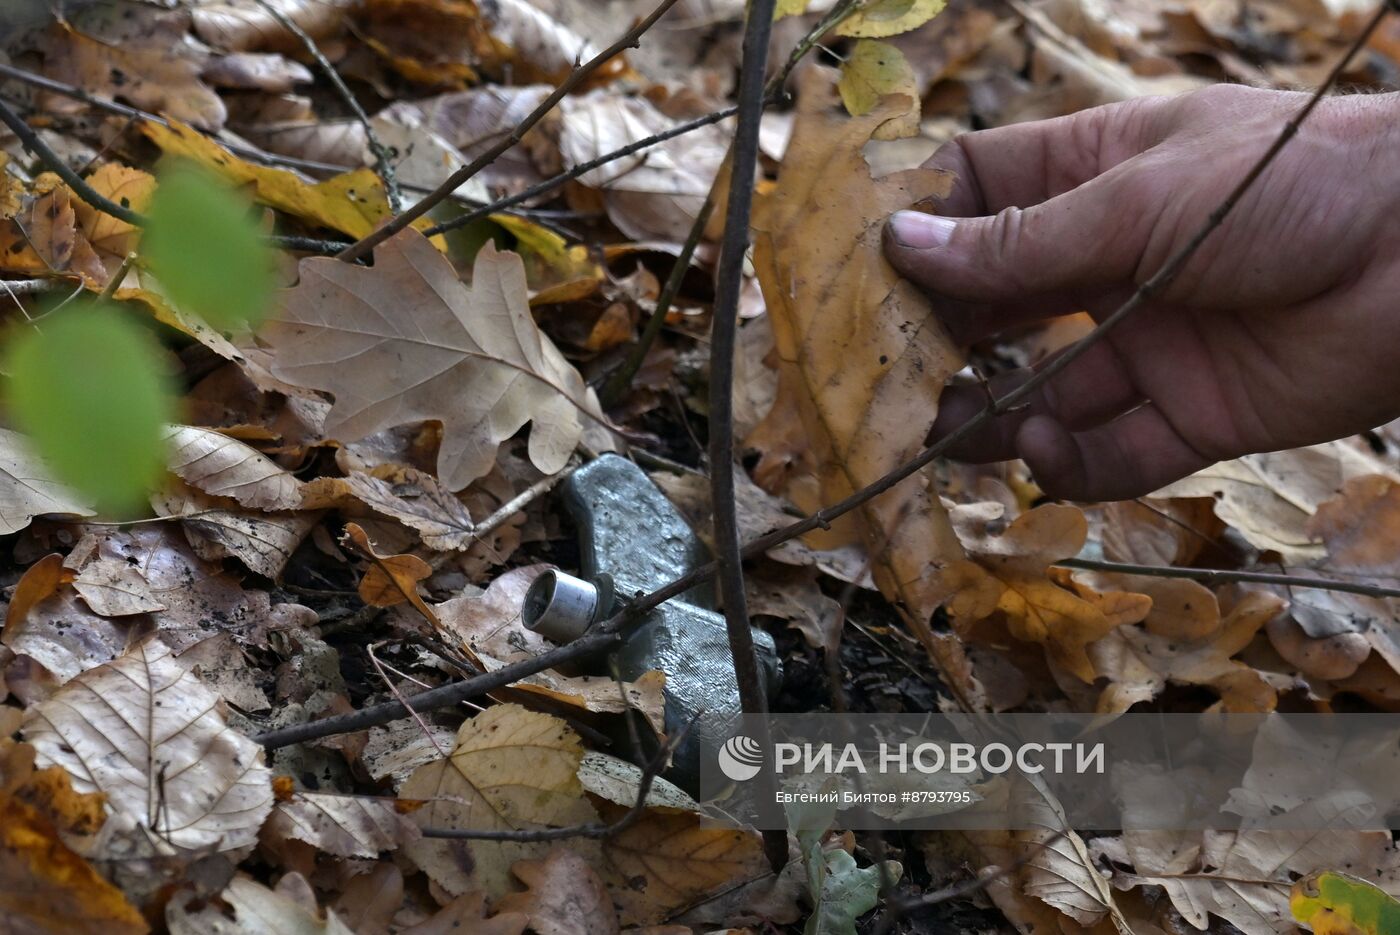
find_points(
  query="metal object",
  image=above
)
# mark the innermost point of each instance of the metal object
(633, 541)
(560, 607)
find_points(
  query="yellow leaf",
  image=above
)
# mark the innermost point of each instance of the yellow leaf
(1335, 903)
(882, 18)
(511, 769)
(111, 237)
(352, 203)
(862, 359)
(790, 8)
(873, 70)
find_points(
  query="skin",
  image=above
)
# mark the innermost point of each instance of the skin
(1282, 331)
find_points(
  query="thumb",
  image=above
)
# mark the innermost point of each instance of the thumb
(1087, 239)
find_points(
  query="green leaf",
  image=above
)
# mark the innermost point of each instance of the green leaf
(883, 18)
(873, 70)
(1334, 903)
(204, 247)
(848, 892)
(86, 387)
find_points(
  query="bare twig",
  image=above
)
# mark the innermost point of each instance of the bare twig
(1225, 576)
(608, 634)
(383, 167)
(593, 829)
(621, 378)
(630, 40)
(743, 161)
(31, 141)
(115, 282)
(394, 690)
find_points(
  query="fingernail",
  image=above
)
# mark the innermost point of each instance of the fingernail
(920, 231)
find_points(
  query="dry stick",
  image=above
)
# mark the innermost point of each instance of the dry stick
(630, 40)
(621, 378)
(724, 332)
(609, 633)
(508, 509)
(382, 166)
(1225, 576)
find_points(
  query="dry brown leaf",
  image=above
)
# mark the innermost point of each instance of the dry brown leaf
(467, 913)
(343, 825)
(26, 488)
(538, 47)
(1268, 498)
(1139, 663)
(113, 238)
(413, 497)
(46, 622)
(1008, 572)
(224, 467)
(151, 737)
(865, 381)
(391, 579)
(656, 194)
(255, 910)
(218, 528)
(115, 589)
(246, 25)
(146, 59)
(668, 860)
(406, 341)
(257, 71)
(511, 769)
(563, 896)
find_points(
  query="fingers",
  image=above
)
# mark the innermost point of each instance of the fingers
(1133, 455)
(1092, 390)
(1025, 164)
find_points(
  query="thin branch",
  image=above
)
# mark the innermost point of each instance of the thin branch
(383, 167)
(17, 287)
(610, 632)
(743, 162)
(31, 141)
(621, 378)
(630, 40)
(594, 829)
(1212, 576)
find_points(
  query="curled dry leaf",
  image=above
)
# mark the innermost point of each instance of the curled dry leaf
(27, 489)
(563, 896)
(1009, 572)
(255, 909)
(217, 528)
(247, 25)
(406, 341)
(864, 381)
(224, 467)
(511, 769)
(411, 496)
(257, 71)
(150, 736)
(112, 238)
(343, 825)
(390, 579)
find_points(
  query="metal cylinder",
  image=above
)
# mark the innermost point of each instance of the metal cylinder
(559, 606)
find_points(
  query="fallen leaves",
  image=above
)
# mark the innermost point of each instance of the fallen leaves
(406, 341)
(149, 736)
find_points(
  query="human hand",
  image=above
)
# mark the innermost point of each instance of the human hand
(1283, 330)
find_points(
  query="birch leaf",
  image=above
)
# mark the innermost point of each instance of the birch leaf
(872, 70)
(150, 736)
(862, 359)
(406, 341)
(883, 18)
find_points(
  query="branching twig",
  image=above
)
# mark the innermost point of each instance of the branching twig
(1225, 576)
(383, 167)
(630, 40)
(608, 634)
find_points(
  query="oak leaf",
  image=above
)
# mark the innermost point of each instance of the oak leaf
(150, 735)
(255, 909)
(511, 769)
(406, 341)
(862, 359)
(563, 895)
